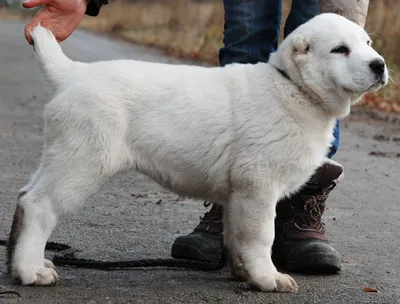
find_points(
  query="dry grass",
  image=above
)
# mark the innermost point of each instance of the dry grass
(194, 29)
(182, 28)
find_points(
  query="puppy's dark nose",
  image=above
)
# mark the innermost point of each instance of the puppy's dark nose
(377, 66)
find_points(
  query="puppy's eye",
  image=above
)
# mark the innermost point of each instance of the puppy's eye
(341, 50)
(369, 42)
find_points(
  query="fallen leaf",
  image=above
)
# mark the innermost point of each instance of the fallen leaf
(371, 289)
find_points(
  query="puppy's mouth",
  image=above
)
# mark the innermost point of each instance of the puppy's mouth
(352, 92)
(376, 85)
(349, 91)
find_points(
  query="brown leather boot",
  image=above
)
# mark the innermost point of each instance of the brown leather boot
(301, 244)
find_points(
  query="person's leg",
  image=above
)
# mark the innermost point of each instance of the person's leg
(336, 140)
(251, 33)
(300, 12)
(251, 30)
(300, 241)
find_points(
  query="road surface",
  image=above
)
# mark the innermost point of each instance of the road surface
(124, 222)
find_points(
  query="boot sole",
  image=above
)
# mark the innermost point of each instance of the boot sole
(188, 252)
(315, 263)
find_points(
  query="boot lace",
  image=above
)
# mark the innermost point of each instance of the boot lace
(212, 216)
(309, 217)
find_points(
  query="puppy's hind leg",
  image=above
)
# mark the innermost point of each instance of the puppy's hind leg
(73, 167)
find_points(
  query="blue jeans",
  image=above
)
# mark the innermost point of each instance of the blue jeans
(252, 29)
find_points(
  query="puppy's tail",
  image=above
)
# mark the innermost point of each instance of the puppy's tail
(47, 50)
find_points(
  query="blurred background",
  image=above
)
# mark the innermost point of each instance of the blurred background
(193, 29)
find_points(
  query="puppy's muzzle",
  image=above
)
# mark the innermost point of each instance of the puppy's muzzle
(378, 66)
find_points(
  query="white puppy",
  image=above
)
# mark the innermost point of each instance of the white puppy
(243, 136)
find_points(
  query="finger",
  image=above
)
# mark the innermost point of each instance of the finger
(30, 26)
(28, 36)
(34, 3)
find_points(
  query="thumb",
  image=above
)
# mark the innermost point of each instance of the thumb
(34, 3)
(28, 28)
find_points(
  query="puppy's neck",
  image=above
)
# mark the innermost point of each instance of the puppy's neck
(307, 95)
(340, 104)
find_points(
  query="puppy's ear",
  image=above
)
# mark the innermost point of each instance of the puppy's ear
(301, 45)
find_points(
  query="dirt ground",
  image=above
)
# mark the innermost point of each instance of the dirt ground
(123, 221)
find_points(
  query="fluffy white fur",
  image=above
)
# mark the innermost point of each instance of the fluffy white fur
(243, 136)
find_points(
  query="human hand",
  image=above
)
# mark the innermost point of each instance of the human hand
(61, 17)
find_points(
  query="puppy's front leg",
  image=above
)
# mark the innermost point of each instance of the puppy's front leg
(252, 214)
(230, 249)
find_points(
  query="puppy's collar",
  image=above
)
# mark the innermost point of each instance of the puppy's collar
(284, 74)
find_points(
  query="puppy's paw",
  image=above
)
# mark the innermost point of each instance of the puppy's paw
(49, 264)
(277, 282)
(46, 276)
(37, 275)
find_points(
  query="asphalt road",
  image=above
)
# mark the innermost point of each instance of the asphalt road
(124, 222)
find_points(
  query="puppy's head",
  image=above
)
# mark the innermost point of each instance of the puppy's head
(332, 58)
